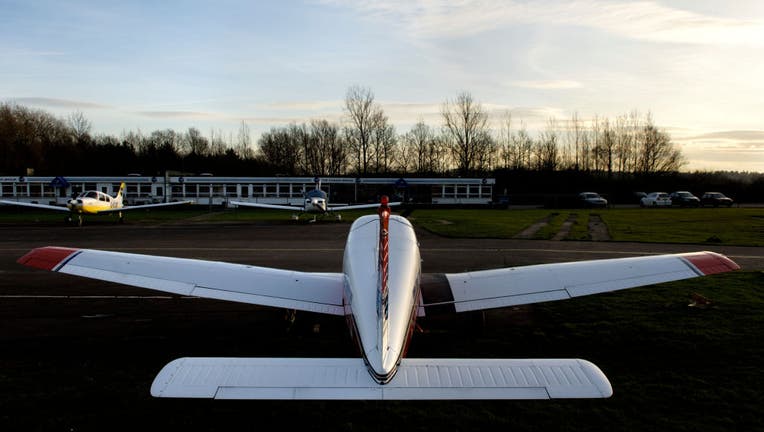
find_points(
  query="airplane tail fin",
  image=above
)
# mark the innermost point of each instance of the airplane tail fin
(382, 308)
(120, 194)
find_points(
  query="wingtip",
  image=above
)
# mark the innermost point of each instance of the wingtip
(710, 263)
(597, 377)
(46, 258)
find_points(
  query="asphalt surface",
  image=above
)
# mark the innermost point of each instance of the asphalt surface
(79, 354)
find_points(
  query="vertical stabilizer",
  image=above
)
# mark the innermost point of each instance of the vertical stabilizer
(382, 309)
(120, 195)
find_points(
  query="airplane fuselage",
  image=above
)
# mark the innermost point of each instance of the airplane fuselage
(91, 202)
(381, 323)
(315, 202)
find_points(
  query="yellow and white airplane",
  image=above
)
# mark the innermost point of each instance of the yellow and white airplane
(94, 202)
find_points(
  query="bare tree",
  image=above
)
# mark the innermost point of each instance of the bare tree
(330, 151)
(194, 143)
(278, 148)
(522, 149)
(80, 126)
(466, 126)
(546, 151)
(244, 142)
(363, 116)
(658, 153)
(575, 140)
(419, 149)
(383, 144)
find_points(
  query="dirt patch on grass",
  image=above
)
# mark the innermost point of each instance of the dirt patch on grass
(597, 228)
(566, 227)
(533, 229)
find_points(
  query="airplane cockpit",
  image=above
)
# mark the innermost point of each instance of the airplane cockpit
(316, 193)
(100, 196)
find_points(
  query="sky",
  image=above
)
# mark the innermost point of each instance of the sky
(695, 65)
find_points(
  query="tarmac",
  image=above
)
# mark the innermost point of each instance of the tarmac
(79, 354)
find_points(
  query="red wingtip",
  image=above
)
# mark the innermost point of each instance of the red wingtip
(711, 262)
(46, 258)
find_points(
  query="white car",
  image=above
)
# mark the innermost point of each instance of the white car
(656, 199)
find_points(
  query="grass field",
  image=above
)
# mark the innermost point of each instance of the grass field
(733, 226)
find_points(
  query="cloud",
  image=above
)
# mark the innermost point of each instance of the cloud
(306, 105)
(57, 103)
(731, 142)
(644, 20)
(191, 115)
(548, 85)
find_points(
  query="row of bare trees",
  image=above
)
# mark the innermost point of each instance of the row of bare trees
(367, 144)
(364, 143)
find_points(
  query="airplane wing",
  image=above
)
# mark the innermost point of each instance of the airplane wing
(359, 206)
(144, 206)
(313, 292)
(267, 206)
(38, 206)
(512, 286)
(348, 378)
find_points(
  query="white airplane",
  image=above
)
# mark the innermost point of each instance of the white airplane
(380, 294)
(316, 202)
(94, 202)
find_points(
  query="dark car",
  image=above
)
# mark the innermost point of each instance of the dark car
(591, 199)
(715, 199)
(684, 199)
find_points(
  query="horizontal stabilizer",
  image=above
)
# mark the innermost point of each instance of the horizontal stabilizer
(348, 378)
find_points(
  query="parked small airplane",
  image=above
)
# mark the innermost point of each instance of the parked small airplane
(94, 202)
(316, 202)
(381, 294)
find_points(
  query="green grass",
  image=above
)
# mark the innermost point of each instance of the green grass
(580, 228)
(488, 223)
(733, 226)
(552, 227)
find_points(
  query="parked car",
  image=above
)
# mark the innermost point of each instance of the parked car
(684, 199)
(715, 199)
(591, 199)
(656, 199)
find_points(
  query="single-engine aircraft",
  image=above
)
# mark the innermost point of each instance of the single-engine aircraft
(94, 202)
(380, 291)
(316, 202)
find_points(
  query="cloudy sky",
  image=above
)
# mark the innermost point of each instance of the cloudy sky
(696, 65)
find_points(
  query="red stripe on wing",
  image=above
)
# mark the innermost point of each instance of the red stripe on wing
(711, 262)
(46, 258)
